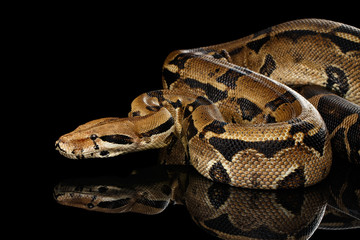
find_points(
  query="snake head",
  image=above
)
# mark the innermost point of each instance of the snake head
(105, 137)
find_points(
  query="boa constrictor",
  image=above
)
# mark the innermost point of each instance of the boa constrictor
(229, 107)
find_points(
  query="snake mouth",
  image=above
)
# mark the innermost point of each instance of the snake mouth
(62, 148)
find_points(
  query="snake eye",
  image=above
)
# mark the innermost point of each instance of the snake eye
(90, 205)
(93, 136)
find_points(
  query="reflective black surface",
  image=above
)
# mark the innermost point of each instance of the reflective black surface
(83, 51)
(219, 210)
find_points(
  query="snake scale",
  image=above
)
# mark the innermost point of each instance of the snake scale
(234, 110)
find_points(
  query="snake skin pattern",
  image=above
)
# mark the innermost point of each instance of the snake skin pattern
(231, 108)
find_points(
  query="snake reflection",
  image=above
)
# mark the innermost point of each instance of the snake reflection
(224, 211)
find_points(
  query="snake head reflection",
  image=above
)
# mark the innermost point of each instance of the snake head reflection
(111, 195)
(105, 137)
(96, 198)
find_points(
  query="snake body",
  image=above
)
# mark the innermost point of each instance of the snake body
(229, 107)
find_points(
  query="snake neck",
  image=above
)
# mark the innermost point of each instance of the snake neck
(169, 114)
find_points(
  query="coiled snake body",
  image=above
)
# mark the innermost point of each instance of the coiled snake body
(237, 122)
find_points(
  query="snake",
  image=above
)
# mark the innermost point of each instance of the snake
(266, 111)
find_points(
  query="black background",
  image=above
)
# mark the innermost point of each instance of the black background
(92, 61)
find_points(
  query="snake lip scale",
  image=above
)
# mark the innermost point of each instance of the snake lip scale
(208, 116)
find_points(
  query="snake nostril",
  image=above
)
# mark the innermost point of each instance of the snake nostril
(58, 146)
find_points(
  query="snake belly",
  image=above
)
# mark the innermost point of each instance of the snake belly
(229, 108)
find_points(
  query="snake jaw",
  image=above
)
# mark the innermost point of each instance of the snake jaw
(62, 148)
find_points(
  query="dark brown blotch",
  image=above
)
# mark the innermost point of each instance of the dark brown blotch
(218, 173)
(294, 180)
